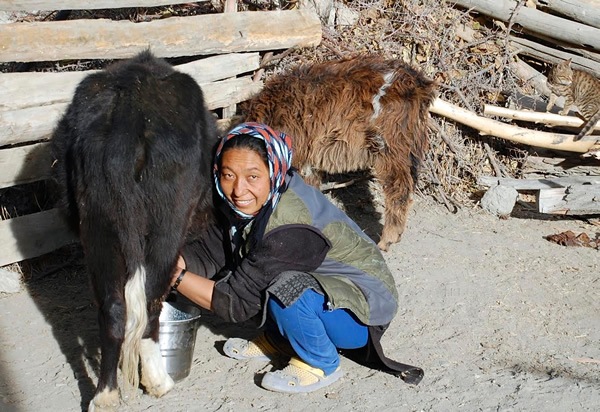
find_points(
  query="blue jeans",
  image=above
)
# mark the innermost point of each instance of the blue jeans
(314, 332)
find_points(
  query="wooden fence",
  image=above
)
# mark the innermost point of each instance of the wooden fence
(31, 103)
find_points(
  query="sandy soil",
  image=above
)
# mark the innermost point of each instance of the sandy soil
(498, 317)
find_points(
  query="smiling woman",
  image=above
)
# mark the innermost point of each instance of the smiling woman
(294, 260)
(244, 174)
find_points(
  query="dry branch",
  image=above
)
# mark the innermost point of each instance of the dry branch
(510, 132)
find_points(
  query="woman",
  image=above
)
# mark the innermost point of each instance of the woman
(284, 252)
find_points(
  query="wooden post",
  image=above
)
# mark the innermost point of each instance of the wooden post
(229, 111)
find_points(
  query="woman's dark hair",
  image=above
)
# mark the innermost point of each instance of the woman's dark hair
(245, 141)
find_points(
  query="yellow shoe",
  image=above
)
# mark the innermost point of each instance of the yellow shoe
(298, 377)
(259, 348)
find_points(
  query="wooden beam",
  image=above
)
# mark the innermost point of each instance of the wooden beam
(38, 123)
(571, 200)
(535, 21)
(33, 235)
(32, 5)
(24, 164)
(176, 36)
(30, 89)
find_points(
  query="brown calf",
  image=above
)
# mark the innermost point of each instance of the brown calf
(354, 114)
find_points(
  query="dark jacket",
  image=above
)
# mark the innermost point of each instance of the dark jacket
(305, 233)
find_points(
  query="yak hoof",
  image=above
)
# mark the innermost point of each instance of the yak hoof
(105, 401)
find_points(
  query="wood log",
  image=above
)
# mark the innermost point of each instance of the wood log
(33, 235)
(32, 5)
(510, 132)
(536, 22)
(22, 90)
(37, 123)
(176, 36)
(584, 11)
(538, 184)
(571, 200)
(545, 118)
(537, 80)
(549, 54)
(25, 164)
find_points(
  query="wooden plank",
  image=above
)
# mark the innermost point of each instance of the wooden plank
(38, 123)
(172, 37)
(24, 164)
(538, 184)
(231, 91)
(30, 124)
(22, 90)
(32, 5)
(535, 21)
(33, 235)
(550, 164)
(571, 200)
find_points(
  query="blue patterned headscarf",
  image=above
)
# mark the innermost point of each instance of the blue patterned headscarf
(279, 159)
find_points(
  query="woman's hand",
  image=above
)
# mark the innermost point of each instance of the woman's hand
(178, 269)
(196, 288)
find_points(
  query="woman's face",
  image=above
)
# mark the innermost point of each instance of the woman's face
(245, 179)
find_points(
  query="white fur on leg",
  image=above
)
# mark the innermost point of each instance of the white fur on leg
(105, 401)
(155, 378)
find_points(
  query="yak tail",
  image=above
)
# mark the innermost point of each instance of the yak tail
(135, 325)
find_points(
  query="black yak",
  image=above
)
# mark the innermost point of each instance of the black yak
(132, 159)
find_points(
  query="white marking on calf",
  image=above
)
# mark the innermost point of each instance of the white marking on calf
(137, 319)
(388, 79)
(155, 378)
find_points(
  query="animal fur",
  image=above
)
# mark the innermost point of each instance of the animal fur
(132, 160)
(355, 114)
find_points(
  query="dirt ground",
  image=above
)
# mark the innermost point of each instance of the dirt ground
(497, 316)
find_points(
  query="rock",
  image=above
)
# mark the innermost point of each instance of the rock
(344, 15)
(499, 200)
(332, 13)
(323, 8)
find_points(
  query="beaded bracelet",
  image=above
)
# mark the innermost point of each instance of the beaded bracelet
(179, 278)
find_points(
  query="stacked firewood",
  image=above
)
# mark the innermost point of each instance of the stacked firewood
(542, 33)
